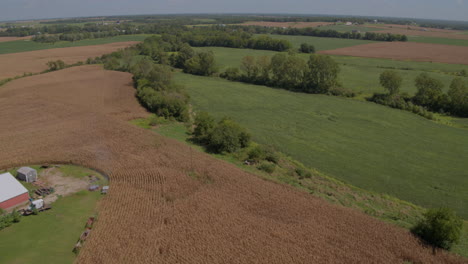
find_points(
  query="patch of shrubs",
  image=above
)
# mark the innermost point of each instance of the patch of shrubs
(8, 219)
(223, 136)
(440, 228)
(401, 101)
(302, 173)
(261, 152)
(267, 167)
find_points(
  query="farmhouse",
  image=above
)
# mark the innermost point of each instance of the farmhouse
(12, 192)
(27, 174)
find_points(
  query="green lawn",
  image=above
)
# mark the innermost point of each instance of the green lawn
(321, 43)
(50, 236)
(357, 74)
(370, 146)
(444, 41)
(28, 45)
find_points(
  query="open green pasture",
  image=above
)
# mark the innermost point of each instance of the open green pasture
(28, 45)
(368, 145)
(357, 74)
(443, 41)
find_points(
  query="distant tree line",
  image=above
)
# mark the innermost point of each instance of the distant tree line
(316, 32)
(429, 95)
(233, 39)
(318, 75)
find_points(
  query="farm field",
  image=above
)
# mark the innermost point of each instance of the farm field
(407, 51)
(27, 45)
(357, 74)
(285, 24)
(442, 41)
(7, 39)
(82, 118)
(16, 64)
(368, 145)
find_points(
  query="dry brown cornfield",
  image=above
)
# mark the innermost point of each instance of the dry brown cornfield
(155, 211)
(406, 51)
(16, 64)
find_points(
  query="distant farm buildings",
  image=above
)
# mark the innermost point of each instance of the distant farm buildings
(12, 192)
(27, 174)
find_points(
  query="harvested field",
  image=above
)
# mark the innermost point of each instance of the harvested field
(156, 212)
(407, 51)
(420, 31)
(5, 39)
(16, 64)
(286, 24)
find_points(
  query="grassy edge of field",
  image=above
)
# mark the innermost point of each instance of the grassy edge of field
(381, 206)
(50, 236)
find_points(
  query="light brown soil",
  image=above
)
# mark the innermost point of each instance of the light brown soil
(16, 64)
(155, 211)
(5, 39)
(286, 24)
(62, 185)
(406, 51)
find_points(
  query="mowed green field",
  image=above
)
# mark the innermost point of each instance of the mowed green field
(368, 145)
(321, 43)
(28, 45)
(443, 41)
(50, 236)
(357, 74)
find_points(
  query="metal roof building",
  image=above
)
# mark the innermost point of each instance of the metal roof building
(12, 192)
(27, 174)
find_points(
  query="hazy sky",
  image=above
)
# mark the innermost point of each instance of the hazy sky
(437, 9)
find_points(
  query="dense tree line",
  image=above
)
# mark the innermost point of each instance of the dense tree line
(429, 95)
(232, 39)
(316, 32)
(317, 75)
(156, 89)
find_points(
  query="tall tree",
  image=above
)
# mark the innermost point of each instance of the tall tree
(429, 91)
(391, 81)
(322, 74)
(458, 94)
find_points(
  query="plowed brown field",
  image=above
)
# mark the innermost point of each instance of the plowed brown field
(5, 39)
(155, 211)
(286, 24)
(406, 51)
(15, 64)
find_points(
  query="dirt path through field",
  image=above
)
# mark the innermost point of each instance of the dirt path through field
(155, 211)
(406, 51)
(15, 64)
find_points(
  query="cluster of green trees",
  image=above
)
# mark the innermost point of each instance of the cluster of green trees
(7, 220)
(316, 32)
(318, 75)
(47, 38)
(183, 55)
(429, 95)
(233, 39)
(156, 89)
(219, 137)
(307, 48)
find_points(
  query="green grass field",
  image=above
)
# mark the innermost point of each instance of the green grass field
(368, 145)
(321, 43)
(27, 45)
(443, 41)
(50, 236)
(357, 74)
